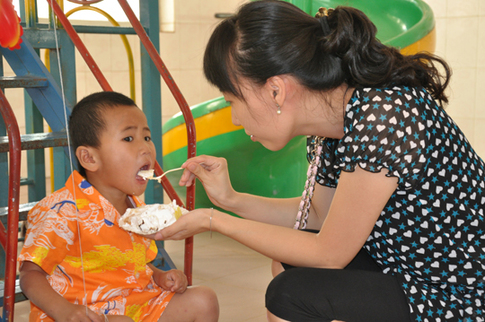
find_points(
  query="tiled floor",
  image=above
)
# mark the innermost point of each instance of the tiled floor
(237, 274)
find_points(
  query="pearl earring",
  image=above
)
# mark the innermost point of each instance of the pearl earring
(279, 109)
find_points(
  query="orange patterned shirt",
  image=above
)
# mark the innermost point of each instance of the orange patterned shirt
(116, 276)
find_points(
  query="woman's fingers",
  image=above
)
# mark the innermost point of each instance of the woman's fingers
(187, 179)
(167, 233)
(205, 168)
(213, 173)
(190, 224)
(195, 167)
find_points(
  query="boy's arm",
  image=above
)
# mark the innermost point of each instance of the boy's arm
(34, 284)
(173, 280)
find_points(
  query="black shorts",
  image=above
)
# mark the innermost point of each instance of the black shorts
(360, 292)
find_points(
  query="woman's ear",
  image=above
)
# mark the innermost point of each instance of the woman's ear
(277, 88)
(88, 158)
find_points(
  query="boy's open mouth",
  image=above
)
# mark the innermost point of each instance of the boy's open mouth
(145, 168)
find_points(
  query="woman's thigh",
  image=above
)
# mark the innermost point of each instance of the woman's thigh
(314, 294)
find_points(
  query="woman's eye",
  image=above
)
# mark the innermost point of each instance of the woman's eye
(128, 139)
(148, 138)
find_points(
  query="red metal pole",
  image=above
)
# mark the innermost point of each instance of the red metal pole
(167, 186)
(3, 236)
(184, 107)
(80, 46)
(13, 206)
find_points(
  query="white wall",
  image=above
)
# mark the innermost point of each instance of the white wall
(181, 51)
(460, 29)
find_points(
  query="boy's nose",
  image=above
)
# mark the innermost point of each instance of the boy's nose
(147, 147)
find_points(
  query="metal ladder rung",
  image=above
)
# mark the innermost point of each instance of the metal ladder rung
(19, 296)
(27, 81)
(37, 141)
(23, 211)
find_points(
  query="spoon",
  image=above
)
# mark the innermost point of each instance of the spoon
(148, 174)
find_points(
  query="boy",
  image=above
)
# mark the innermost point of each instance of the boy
(112, 280)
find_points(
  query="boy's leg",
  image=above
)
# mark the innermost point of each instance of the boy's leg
(197, 303)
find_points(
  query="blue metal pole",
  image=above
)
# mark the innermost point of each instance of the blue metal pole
(151, 90)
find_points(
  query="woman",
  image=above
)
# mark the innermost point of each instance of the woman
(400, 195)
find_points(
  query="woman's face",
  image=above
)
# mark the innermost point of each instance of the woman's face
(258, 115)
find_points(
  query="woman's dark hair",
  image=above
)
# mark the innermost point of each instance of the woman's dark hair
(270, 37)
(87, 122)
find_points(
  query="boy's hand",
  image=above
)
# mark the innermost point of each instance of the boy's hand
(173, 280)
(77, 313)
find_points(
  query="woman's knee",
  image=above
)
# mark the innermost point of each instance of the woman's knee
(289, 297)
(280, 294)
(277, 288)
(283, 286)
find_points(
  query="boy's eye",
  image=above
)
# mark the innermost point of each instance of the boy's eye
(128, 139)
(148, 138)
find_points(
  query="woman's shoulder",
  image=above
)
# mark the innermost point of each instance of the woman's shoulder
(385, 128)
(400, 102)
(393, 94)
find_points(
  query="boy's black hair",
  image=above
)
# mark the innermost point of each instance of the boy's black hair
(87, 122)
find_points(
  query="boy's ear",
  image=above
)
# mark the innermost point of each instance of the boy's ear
(88, 158)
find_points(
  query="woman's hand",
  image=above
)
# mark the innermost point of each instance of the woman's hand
(192, 223)
(173, 280)
(212, 172)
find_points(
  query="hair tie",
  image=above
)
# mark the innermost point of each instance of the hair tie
(322, 15)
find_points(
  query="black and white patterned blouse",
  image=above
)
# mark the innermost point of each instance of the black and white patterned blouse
(431, 233)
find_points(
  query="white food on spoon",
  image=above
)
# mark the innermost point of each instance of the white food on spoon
(149, 219)
(146, 174)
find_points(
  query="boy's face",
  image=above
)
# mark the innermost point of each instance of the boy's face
(126, 148)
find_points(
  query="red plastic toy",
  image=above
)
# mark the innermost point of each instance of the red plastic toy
(10, 29)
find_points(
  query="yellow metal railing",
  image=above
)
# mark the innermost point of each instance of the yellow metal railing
(129, 52)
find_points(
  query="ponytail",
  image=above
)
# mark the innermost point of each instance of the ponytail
(367, 62)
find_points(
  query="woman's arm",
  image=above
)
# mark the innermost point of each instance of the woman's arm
(213, 174)
(282, 212)
(34, 284)
(356, 206)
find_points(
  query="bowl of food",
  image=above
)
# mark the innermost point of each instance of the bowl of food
(149, 219)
